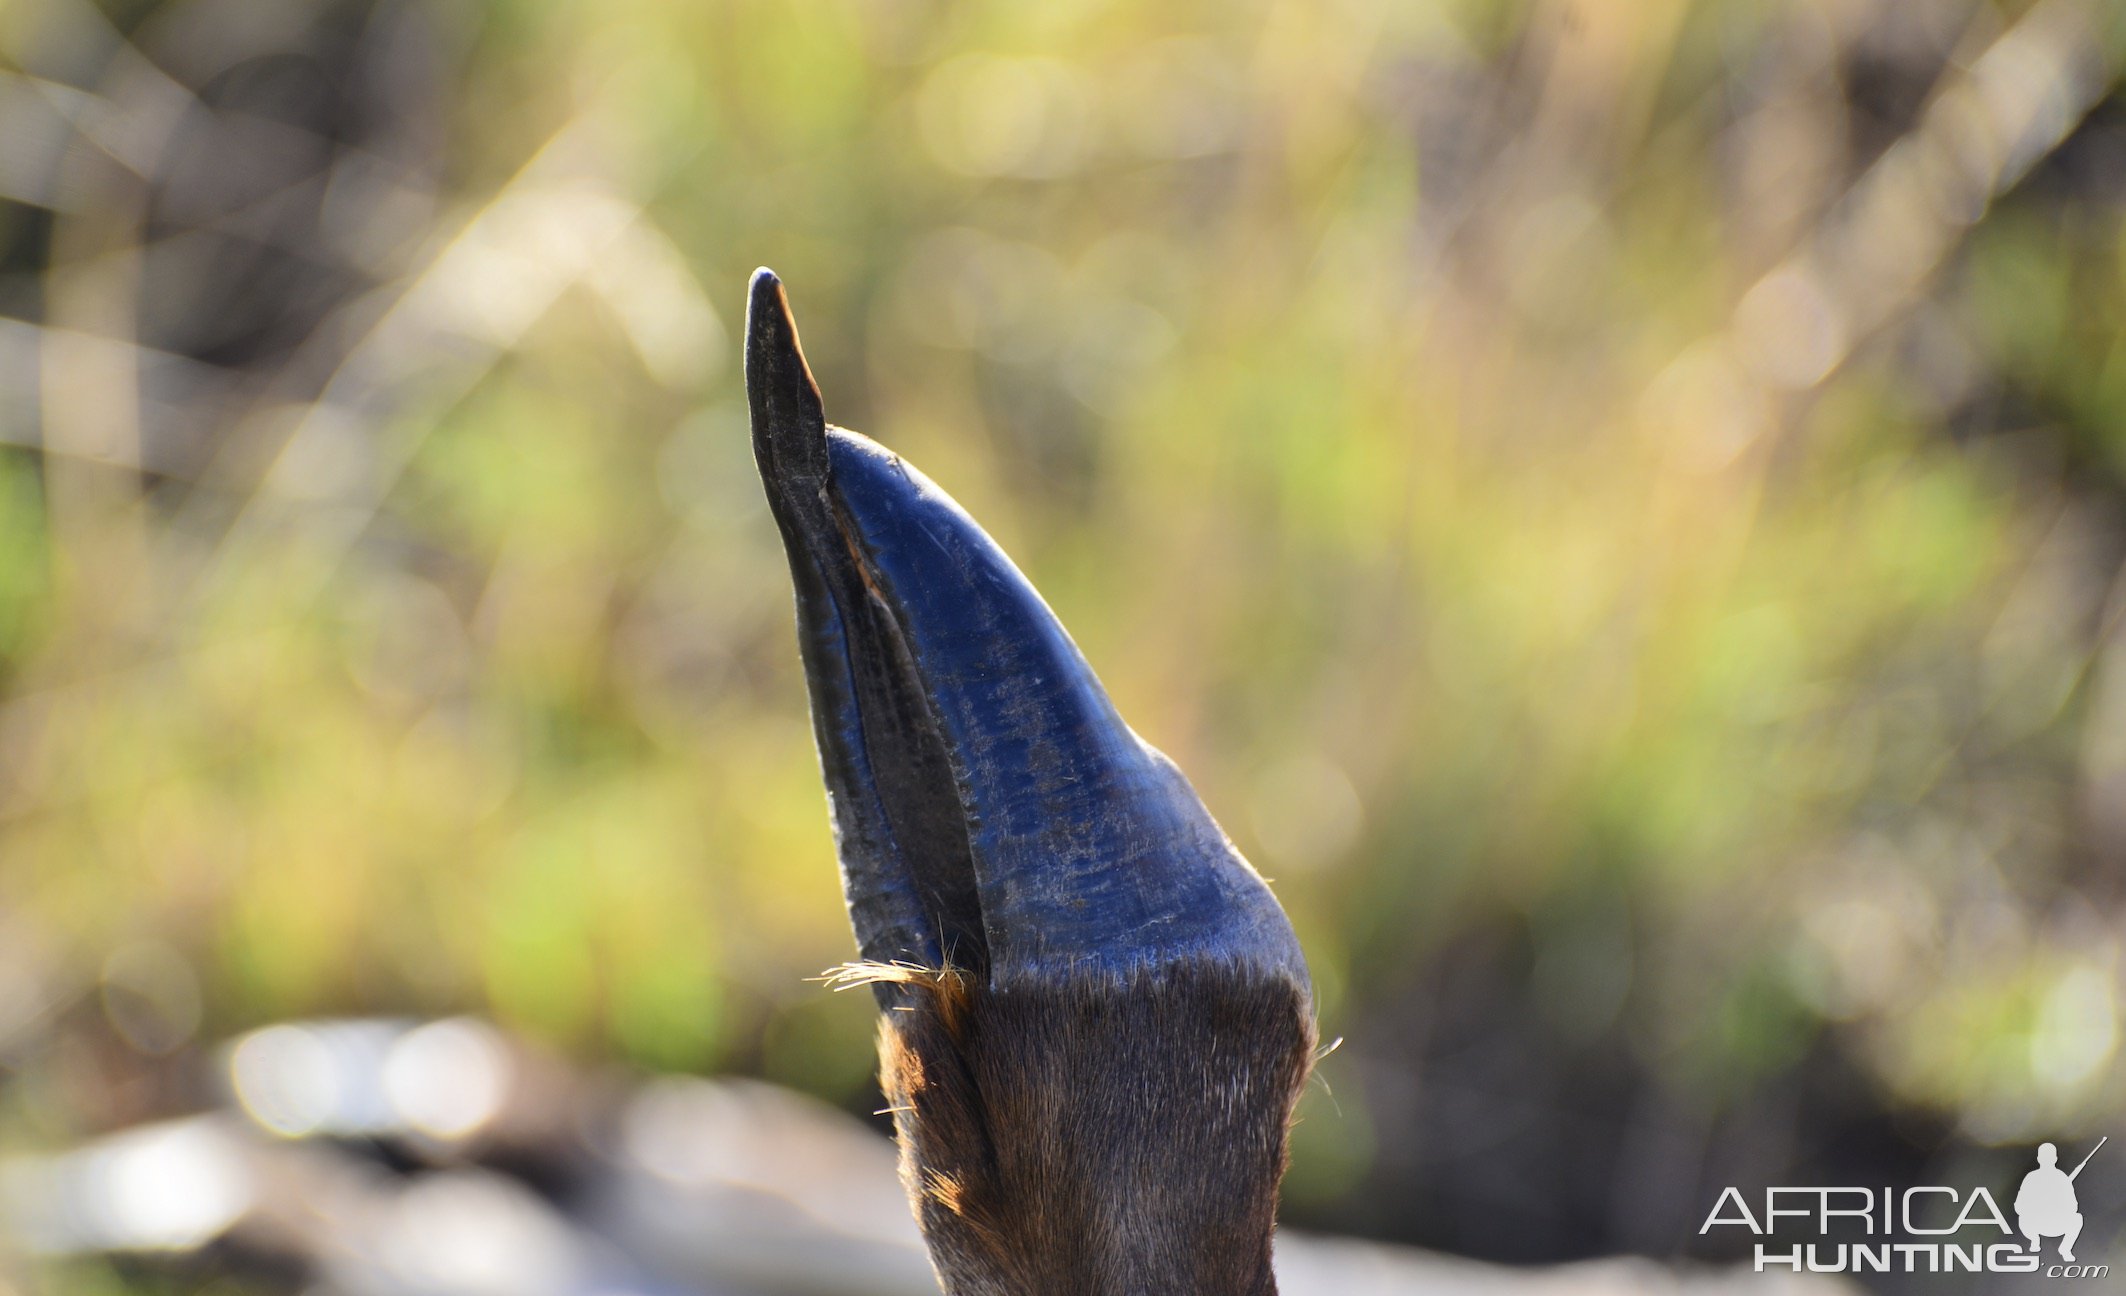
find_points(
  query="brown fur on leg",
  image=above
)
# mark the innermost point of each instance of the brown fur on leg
(1086, 1137)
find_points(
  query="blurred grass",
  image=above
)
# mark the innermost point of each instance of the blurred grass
(1415, 412)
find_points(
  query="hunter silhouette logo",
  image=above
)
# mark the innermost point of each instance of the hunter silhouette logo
(2045, 1206)
(1928, 1228)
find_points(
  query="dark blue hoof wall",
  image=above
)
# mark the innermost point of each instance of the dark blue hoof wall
(1099, 1017)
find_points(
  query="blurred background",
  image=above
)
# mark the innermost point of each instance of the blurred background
(1619, 508)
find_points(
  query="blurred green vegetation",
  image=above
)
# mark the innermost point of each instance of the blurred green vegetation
(1541, 468)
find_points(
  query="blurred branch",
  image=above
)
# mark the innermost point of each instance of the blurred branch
(1871, 259)
(561, 221)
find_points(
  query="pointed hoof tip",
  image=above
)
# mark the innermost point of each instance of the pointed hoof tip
(765, 302)
(789, 423)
